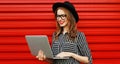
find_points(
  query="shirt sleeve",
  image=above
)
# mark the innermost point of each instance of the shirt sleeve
(83, 47)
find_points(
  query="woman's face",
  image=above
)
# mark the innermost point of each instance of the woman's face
(62, 18)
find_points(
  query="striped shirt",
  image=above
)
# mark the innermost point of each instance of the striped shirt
(79, 46)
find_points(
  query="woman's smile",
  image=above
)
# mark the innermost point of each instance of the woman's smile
(61, 22)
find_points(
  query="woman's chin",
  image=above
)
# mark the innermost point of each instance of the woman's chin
(61, 25)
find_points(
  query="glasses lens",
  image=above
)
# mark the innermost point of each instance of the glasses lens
(62, 16)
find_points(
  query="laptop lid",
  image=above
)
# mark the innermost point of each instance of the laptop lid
(39, 42)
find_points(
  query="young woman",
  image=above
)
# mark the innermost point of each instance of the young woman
(67, 40)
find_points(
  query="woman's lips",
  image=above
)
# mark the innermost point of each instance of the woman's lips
(61, 22)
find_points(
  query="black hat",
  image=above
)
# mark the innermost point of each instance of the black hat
(68, 6)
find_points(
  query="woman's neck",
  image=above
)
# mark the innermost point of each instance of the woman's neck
(65, 29)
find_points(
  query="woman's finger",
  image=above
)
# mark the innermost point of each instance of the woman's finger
(36, 56)
(40, 54)
(39, 58)
(44, 57)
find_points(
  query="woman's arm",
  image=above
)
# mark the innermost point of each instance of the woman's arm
(83, 59)
(83, 48)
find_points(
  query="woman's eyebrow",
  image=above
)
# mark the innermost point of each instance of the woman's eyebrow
(61, 14)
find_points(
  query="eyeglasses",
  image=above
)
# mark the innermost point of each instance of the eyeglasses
(62, 16)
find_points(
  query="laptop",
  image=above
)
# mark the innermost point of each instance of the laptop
(40, 42)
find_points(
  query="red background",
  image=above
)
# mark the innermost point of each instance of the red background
(99, 20)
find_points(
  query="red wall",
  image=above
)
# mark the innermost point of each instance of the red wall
(99, 20)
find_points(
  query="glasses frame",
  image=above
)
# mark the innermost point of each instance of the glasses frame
(62, 16)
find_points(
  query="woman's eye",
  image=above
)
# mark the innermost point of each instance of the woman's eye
(63, 15)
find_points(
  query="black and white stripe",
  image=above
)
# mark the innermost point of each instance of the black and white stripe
(79, 46)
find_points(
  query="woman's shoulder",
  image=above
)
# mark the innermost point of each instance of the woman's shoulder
(81, 37)
(80, 33)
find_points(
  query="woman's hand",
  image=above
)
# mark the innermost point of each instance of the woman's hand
(41, 55)
(83, 59)
(64, 54)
